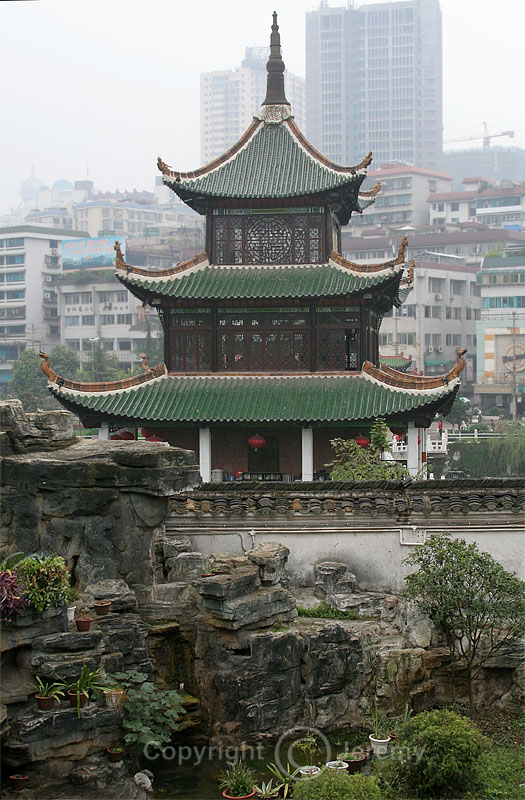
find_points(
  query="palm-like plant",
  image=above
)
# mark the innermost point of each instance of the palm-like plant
(54, 690)
(87, 681)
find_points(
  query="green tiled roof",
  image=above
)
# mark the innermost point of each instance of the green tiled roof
(241, 399)
(396, 362)
(260, 282)
(271, 165)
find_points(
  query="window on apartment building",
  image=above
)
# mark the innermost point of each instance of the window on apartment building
(107, 319)
(475, 290)
(105, 297)
(19, 242)
(448, 312)
(468, 313)
(457, 313)
(88, 319)
(456, 287)
(121, 297)
(12, 260)
(71, 298)
(54, 242)
(407, 338)
(428, 312)
(428, 339)
(385, 338)
(71, 321)
(436, 339)
(477, 313)
(435, 284)
(124, 344)
(73, 344)
(86, 297)
(124, 319)
(436, 312)
(454, 206)
(15, 294)
(14, 277)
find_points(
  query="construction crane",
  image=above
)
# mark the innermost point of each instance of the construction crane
(486, 136)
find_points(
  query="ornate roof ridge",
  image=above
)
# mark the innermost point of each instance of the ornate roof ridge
(157, 273)
(400, 380)
(168, 172)
(399, 260)
(149, 374)
(408, 279)
(303, 141)
(371, 192)
(399, 356)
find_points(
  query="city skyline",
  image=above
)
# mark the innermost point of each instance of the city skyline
(110, 97)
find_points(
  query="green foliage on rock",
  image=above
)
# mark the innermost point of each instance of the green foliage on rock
(470, 597)
(45, 580)
(334, 785)
(441, 755)
(151, 715)
(355, 463)
(29, 384)
(325, 611)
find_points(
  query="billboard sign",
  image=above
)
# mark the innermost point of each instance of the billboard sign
(90, 253)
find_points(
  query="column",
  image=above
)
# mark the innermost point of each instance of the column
(307, 452)
(205, 454)
(412, 449)
(103, 431)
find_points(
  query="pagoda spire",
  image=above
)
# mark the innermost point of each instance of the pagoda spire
(275, 67)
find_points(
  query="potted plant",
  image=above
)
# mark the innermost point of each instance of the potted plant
(399, 721)
(115, 697)
(267, 790)
(115, 753)
(47, 693)
(78, 690)
(308, 746)
(380, 738)
(101, 607)
(83, 624)
(337, 765)
(285, 779)
(238, 781)
(71, 598)
(18, 782)
(354, 760)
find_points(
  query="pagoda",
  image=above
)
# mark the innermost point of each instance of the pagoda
(270, 334)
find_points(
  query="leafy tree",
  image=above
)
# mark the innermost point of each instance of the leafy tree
(64, 361)
(461, 411)
(509, 451)
(153, 347)
(355, 463)
(470, 597)
(103, 366)
(28, 383)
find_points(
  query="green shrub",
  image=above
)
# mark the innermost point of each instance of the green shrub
(333, 785)
(151, 715)
(441, 754)
(46, 580)
(325, 611)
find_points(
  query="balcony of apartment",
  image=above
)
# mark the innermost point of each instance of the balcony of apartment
(507, 382)
(52, 260)
(49, 299)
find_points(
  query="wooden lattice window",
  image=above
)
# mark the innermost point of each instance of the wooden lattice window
(269, 239)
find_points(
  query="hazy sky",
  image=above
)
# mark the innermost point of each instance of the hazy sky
(119, 79)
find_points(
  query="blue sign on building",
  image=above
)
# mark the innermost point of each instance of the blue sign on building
(90, 253)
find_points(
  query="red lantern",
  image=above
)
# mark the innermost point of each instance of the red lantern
(399, 431)
(115, 437)
(256, 442)
(362, 441)
(147, 432)
(126, 435)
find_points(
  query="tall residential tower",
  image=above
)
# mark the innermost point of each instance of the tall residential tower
(374, 82)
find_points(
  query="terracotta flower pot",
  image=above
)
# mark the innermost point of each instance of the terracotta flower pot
(44, 703)
(236, 796)
(83, 624)
(115, 753)
(73, 699)
(101, 607)
(18, 782)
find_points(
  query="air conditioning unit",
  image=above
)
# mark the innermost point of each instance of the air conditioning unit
(430, 349)
(439, 349)
(439, 297)
(54, 251)
(49, 278)
(47, 295)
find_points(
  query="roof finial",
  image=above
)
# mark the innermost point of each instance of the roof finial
(275, 67)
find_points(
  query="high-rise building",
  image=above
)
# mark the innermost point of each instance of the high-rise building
(495, 163)
(230, 98)
(374, 82)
